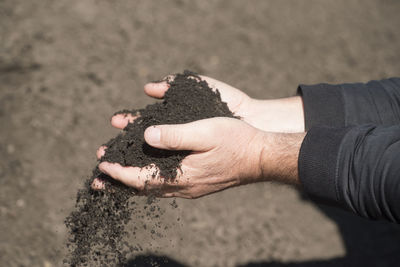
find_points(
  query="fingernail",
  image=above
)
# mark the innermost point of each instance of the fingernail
(153, 135)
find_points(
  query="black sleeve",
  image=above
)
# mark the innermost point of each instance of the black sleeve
(376, 102)
(350, 156)
(356, 168)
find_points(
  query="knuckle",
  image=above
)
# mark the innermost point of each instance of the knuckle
(173, 139)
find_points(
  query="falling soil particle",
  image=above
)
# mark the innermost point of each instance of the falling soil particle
(97, 226)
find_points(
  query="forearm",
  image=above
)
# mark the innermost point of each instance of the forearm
(339, 105)
(277, 115)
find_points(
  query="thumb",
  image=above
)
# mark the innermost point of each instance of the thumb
(189, 136)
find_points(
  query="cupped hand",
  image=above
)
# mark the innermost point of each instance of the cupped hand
(238, 102)
(284, 115)
(225, 152)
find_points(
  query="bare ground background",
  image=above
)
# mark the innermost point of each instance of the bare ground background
(67, 65)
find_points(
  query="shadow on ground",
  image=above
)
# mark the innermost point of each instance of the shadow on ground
(153, 261)
(367, 243)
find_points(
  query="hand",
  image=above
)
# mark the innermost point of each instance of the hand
(274, 115)
(226, 153)
(280, 115)
(238, 102)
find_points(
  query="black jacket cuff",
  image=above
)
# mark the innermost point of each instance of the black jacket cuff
(318, 161)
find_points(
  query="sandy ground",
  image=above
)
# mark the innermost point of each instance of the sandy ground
(67, 65)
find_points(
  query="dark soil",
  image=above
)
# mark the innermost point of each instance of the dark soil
(97, 226)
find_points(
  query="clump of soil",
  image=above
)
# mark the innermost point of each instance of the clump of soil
(188, 99)
(97, 226)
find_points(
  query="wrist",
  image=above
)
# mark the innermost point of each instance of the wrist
(279, 157)
(276, 115)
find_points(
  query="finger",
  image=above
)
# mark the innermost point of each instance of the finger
(212, 83)
(120, 121)
(196, 136)
(101, 151)
(131, 176)
(98, 184)
(230, 95)
(156, 89)
(215, 84)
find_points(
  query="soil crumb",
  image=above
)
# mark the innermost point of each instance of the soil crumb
(97, 225)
